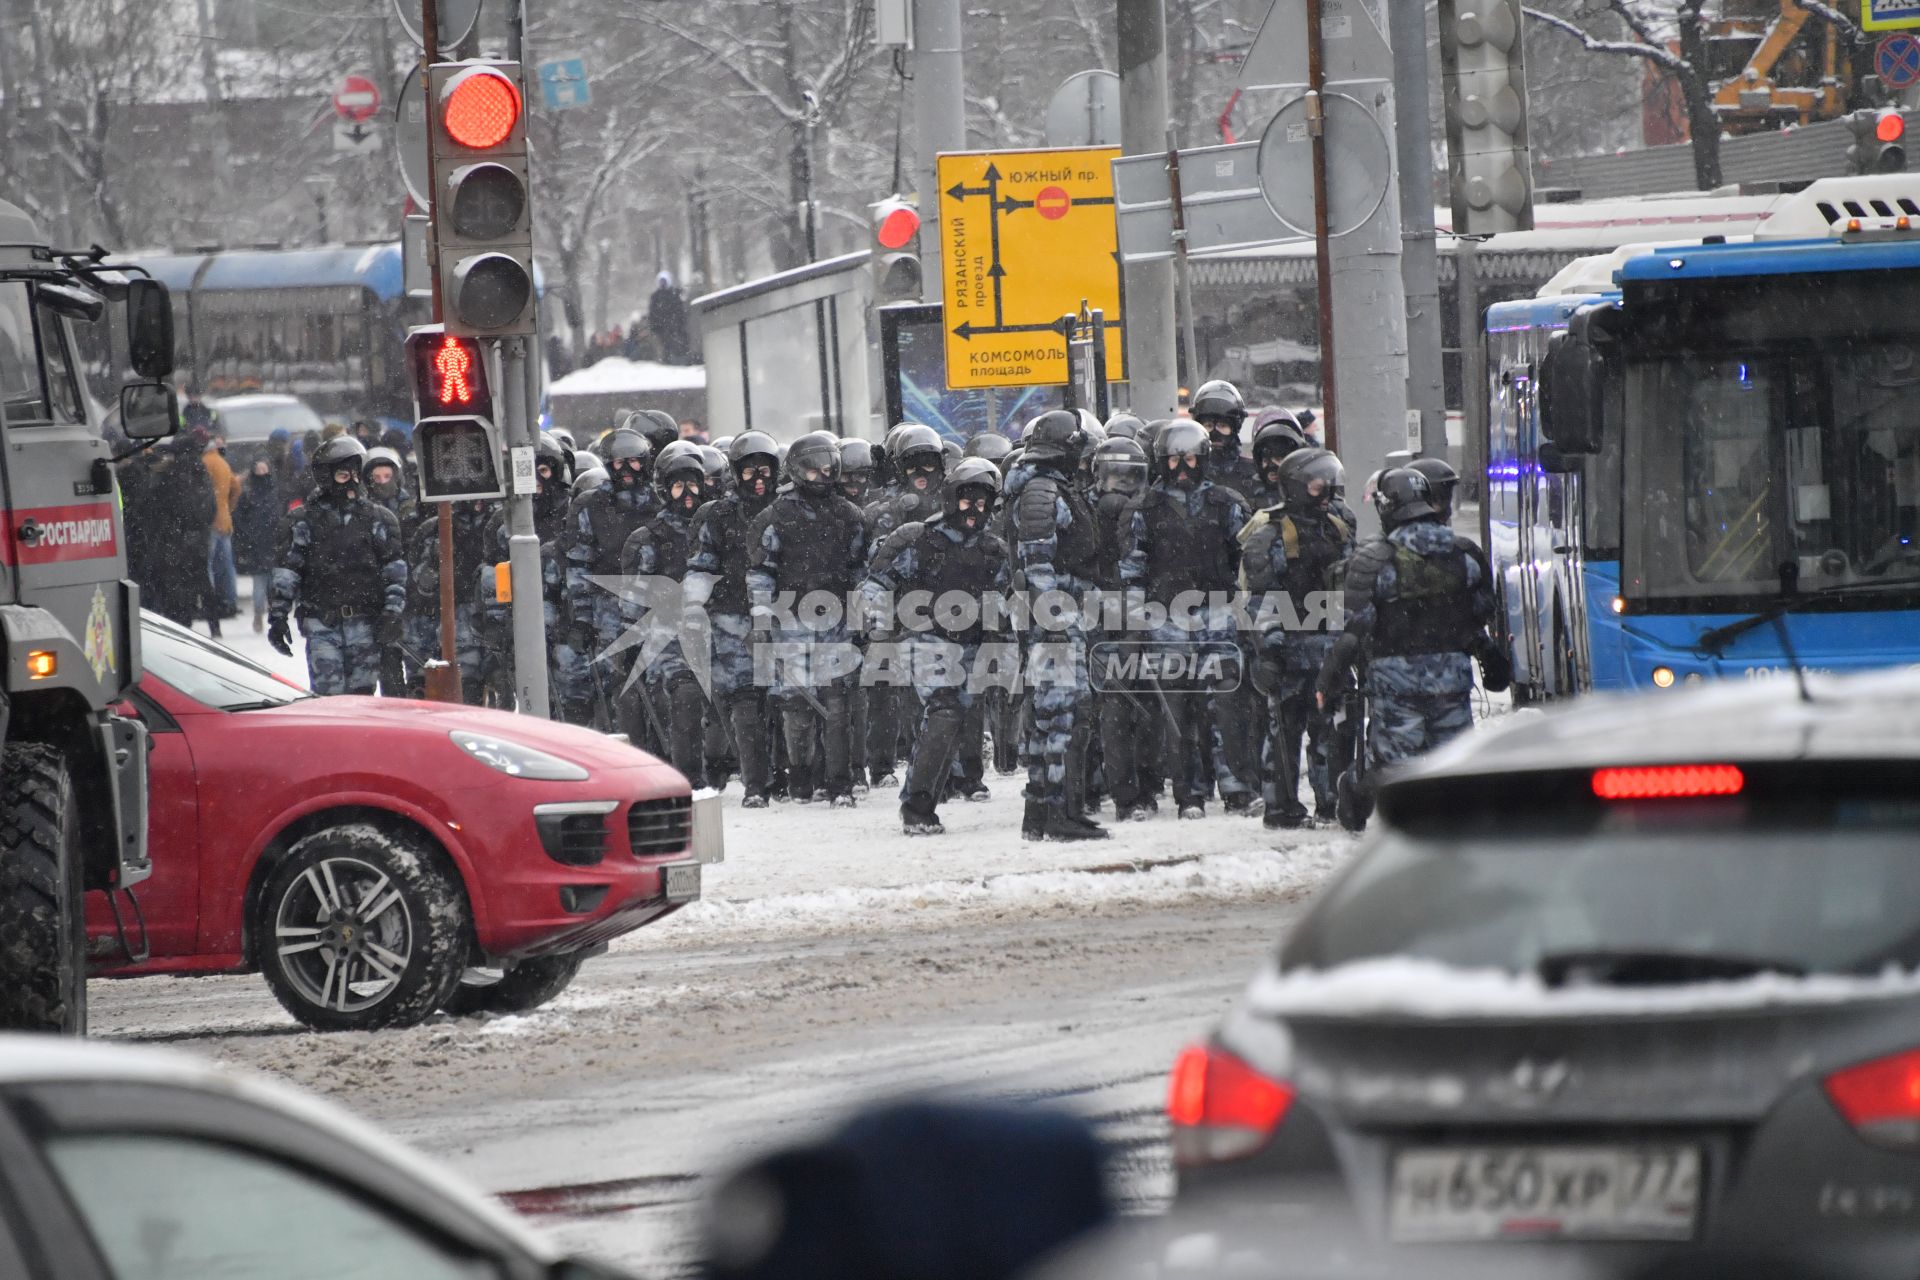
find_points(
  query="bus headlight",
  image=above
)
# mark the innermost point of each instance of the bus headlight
(1663, 677)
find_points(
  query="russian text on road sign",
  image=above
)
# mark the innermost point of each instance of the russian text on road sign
(1887, 15)
(1026, 236)
(563, 82)
(1897, 60)
(357, 99)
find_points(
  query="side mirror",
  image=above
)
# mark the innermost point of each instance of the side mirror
(149, 410)
(1572, 394)
(1556, 461)
(149, 328)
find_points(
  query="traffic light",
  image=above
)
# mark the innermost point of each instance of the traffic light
(1483, 59)
(482, 207)
(895, 260)
(455, 440)
(1879, 141)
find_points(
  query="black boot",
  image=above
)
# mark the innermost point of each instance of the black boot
(1062, 825)
(1033, 824)
(917, 817)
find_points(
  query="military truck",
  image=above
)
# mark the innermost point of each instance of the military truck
(73, 776)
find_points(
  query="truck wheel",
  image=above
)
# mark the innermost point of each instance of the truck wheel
(43, 923)
(361, 928)
(524, 988)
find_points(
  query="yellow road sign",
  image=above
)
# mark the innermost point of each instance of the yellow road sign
(1888, 15)
(1026, 237)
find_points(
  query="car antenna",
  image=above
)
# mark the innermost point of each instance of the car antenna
(1789, 584)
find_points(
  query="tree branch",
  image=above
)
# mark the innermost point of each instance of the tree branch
(1627, 48)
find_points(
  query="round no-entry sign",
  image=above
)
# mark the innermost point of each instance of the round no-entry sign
(1897, 60)
(357, 99)
(1052, 203)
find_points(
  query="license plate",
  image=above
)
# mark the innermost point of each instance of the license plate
(1527, 1193)
(682, 881)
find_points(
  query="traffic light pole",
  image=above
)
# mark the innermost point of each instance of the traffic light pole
(443, 680)
(523, 543)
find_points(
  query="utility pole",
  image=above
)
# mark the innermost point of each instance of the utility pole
(940, 117)
(1420, 258)
(1152, 368)
(443, 680)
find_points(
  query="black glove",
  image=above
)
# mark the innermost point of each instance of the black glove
(279, 636)
(1496, 668)
(391, 630)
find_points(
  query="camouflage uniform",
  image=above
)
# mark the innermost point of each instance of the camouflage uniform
(716, 581)
(659, 551)
(1418, 602)
(1055, 550)
(471, 652)
(1294, 555)
(341, 569)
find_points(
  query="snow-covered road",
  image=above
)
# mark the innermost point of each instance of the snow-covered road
(832, 962)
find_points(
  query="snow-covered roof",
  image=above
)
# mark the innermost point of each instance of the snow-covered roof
(615, 375)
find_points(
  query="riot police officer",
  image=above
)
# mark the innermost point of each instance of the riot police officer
(856, 470)
(1220, 411)
(1289, 565)
(1183, 555)
(570, 698)
(602, 520)
(1443, 479)
(716, 581)
(657, 426)
(1131, 722)
(1418, 600)
(1056, 549)
(812, 542)
(954, 552)
(656, 555)
(340, 567)
(919, 465)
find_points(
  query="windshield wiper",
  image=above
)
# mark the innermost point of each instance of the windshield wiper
(266, 703)
(1653, 968)
(1714, 643)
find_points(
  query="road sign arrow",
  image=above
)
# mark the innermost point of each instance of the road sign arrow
(996, 270)
(1008, 204)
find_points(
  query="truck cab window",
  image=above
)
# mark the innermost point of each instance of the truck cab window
(20, 384)
(63, 386)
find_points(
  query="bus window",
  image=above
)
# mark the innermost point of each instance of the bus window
(1729, 411)
(19, 365)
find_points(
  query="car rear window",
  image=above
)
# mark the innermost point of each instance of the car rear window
(1832, 890)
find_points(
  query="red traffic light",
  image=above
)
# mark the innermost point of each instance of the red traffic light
(897, 226)
(480, 108)
(1890, 127)
(449, 375)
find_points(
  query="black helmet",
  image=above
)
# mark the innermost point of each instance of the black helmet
(750, 444)
(381, 456)
(682, 463)
(1218, 399)
(657, 426)
(673, 453)
(950, 454)
(910, 438)
(621, 450)
(1012, 459)
(721, 443)
(1403, 495)
(893, 434)
(565, 437)
(1149, 436)
(716, 464)
(1054, 436)
(1094, 435)
(1120, 466)
(343, 451)
(590, 479)
(856, 456)
(1443, 479)
(1124, 425)
(1180, 436)
(1301, 468)
(990, 445)
(1276, 437)
(817, 452)
(973, 478)
(548, 449)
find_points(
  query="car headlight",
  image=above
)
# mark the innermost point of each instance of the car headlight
(516, 759)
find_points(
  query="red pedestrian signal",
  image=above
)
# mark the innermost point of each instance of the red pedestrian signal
(449, 374)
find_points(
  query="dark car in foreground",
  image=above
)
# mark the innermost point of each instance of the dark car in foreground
(1637, 985)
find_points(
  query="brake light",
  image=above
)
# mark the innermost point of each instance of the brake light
(1881, 1099)
(1668, 782)
(1221, 1108)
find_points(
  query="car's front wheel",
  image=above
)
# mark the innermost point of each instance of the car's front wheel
(521, 989)
(361, 928)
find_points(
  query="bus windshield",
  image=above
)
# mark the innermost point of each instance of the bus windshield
(1748, 462)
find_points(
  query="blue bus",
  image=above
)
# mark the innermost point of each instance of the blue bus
(1704, 459)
